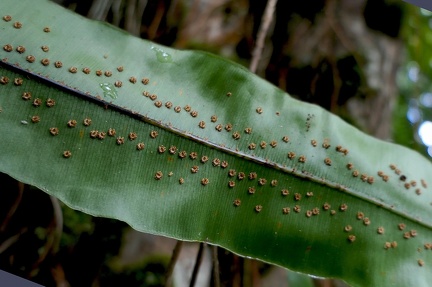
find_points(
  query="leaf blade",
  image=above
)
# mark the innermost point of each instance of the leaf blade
(106, 169)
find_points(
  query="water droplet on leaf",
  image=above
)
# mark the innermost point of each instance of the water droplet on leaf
(109, 90)
(161, 55)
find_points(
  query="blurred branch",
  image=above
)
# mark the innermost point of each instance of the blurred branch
(174, 257)
(11, 240)
(197, 265)
(134, 13)
(13, 207)
(99, 9)
(262, 33)
(216, 271)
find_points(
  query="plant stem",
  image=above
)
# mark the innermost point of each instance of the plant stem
(197, 264)
(262, 33)
(216, 275)
(174, 257)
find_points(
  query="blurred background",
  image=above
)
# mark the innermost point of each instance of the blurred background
(368, 61)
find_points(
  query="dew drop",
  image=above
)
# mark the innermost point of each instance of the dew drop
(161, 55)
(109, 90)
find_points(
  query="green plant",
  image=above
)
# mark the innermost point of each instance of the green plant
(262, 174)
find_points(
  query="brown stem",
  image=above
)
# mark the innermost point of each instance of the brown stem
(197, 265)
(174, 257)
(13, 207)
(216, 271)
(262, 33)
(11, 240)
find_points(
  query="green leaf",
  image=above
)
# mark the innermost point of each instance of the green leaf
(347, 213)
